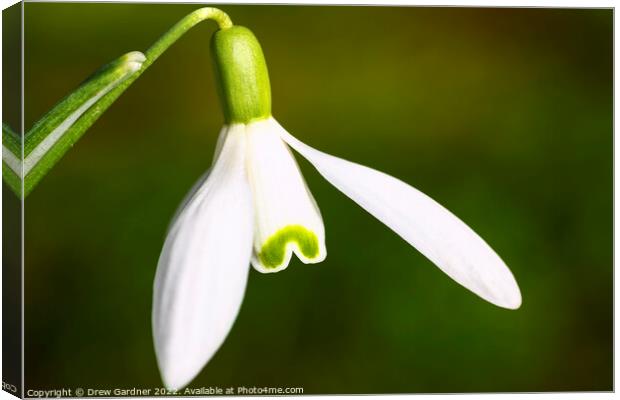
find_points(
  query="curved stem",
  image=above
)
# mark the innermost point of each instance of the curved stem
(179, 29)
(167, 39)
(86, 104)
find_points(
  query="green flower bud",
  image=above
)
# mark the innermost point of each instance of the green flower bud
(243, 81)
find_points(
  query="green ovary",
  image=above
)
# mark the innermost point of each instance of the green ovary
(274, 250)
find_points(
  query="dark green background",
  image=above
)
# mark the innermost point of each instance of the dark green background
(502, 115)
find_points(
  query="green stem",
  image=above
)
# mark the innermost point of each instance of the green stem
(187, 23)
(167, 39)
(120, 75)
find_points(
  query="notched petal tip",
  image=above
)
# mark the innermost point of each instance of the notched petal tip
(287, 219)
(277, 251)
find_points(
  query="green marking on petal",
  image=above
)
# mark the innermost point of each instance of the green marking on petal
(273, 251)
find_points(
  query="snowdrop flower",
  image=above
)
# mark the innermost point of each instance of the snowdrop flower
(254, 207)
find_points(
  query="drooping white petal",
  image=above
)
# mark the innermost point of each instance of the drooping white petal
(200, 182)
(434, 231)
(203, 268)
(287, 219)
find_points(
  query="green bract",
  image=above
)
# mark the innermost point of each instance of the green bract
(243, 81)
(60, 128)
(54, 134)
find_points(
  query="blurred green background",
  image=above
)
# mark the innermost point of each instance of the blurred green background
(502, 115)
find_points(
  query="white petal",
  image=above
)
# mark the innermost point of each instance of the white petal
(287, 218)
(434, 231)
(200, 182)
(203, 268)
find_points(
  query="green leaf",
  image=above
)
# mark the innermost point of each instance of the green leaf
(11, 159)
(60, 128)
(54, 134)
(51, 137)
